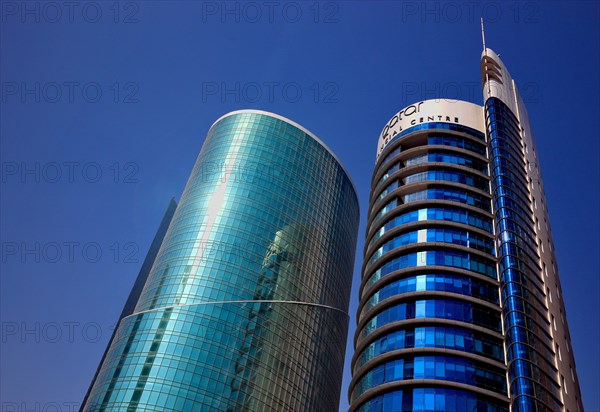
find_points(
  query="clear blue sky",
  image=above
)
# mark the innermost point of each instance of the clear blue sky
(93, 90)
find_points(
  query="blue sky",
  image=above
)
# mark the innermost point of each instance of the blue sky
(104, 109)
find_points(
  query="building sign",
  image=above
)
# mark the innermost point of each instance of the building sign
(432, 111)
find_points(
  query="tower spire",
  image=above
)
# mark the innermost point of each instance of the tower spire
(482, 34)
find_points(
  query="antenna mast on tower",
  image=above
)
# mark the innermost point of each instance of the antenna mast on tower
(482, 34)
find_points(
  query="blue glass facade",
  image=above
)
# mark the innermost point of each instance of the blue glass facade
(531, 367)
(429, 334)
(460, 300)
(541, 369)
(245, 307)
(431, 399)
(140, 281)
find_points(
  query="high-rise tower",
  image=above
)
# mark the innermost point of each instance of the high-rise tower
(541, 365)
(140, 281)
(245, 307)
(460, 303)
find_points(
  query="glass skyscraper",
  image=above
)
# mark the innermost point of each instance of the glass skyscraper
(245, 307)
(140, 281)
(460, 300)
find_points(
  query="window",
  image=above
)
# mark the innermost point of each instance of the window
(558, 352)
(549, 294)
(553, 322)
(545, 270)
(562, 380)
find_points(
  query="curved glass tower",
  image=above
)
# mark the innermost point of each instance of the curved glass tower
(429, 333)
(460, 300)
(541, 365)
(245, 307)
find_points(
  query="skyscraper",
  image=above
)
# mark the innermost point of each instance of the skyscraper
(460, 301)
(245, 307)
(140, 281)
